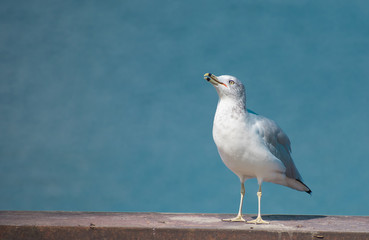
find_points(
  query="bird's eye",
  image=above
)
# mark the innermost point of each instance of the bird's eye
(231, 82)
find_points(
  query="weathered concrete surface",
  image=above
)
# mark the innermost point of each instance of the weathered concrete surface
(102, 225)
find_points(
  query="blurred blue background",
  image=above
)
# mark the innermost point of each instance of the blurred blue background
(103, 105)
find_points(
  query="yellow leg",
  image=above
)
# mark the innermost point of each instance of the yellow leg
(239, 217)
(258, 220)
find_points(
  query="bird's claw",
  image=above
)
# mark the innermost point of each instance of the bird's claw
(235, 219)
(258, 220)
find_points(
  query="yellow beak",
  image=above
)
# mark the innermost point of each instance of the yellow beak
(212, 79)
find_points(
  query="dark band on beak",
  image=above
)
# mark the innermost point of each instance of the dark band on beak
(213, 79)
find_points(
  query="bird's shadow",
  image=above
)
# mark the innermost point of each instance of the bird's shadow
(276, 217)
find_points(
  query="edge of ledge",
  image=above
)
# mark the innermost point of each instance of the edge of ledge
(114, 225)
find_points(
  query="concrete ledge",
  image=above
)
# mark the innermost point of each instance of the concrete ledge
(102, 225)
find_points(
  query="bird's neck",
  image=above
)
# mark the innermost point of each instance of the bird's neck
(231, 107)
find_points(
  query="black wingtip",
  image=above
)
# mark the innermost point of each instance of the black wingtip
(308, 191)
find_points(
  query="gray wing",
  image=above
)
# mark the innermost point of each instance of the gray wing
(277, 142)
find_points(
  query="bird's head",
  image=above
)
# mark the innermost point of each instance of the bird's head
(227, 86)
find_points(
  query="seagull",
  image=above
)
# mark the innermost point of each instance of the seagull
(250, 145)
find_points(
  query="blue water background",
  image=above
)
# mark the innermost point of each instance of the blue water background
(103, 105)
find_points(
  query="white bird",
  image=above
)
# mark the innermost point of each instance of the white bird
(250, 145)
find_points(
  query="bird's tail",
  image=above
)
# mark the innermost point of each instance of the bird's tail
(298, 185)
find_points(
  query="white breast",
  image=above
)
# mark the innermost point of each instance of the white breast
(239, 145)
